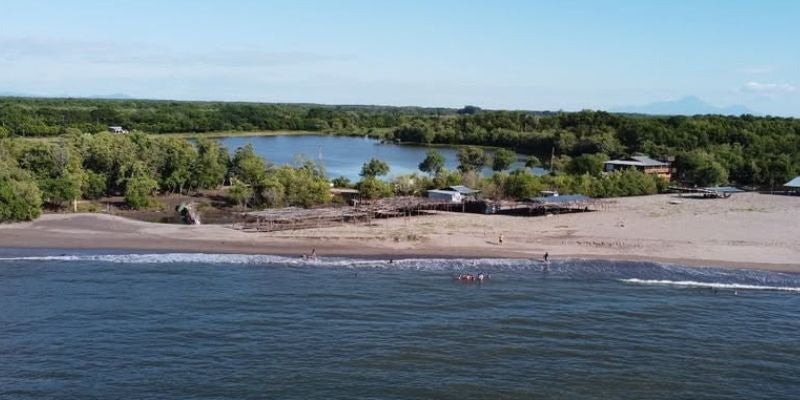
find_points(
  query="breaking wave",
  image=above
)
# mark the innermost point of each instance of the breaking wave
(250, 259)
(710, 285)
(628, 272)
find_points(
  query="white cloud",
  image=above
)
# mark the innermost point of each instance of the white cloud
(769, 88)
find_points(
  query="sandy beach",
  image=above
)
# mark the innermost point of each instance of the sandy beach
(745, 231)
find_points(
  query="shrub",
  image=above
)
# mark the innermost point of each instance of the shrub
(20, 200)
(374, 188)
(138, 191)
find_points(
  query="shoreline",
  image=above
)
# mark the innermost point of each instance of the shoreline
(399, 256)
(747, 231)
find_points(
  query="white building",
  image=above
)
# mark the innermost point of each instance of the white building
(454, 194)
(446, 195)
(641, 163)
(117, 129)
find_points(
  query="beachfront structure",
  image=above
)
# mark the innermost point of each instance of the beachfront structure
(276, 219)
(346, 193)
(569, 202)
(349, 196)
(641, 163)
(793, 185)
(548, 193)
(540, 172)
(467, 193)
(446, 195)
(714, 192)
(117, 129)
(542, 205)
(454, 194)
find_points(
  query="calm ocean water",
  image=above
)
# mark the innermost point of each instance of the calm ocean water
(191, 326)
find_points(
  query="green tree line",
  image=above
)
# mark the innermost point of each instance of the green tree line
(137, 166)
(32, 117)
(745, 150)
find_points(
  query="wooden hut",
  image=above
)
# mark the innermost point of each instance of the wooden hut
(350, 196)
(641, 163)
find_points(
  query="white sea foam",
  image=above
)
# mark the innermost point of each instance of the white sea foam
(711, 285)
(157, 258)
(204, 258)
(575, 268)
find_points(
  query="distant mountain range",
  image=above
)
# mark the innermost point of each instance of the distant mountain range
(689, 105)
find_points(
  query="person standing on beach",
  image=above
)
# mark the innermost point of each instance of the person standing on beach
(500, 239)
(546, 257)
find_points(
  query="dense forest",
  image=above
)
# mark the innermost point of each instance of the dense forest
(137, 166)
(83, 161)
(745, 150)
(52, 117)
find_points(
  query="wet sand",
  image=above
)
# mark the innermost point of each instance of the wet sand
(745, 231)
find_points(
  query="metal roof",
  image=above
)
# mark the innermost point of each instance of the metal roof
(461, 189)
(794, 183)
(447, 192)
(648, 162)
(625, 162)
(724, 189)
(344, 190)
(539, 171)
(567, 198)
(639, 161)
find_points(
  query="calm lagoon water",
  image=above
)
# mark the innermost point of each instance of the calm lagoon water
(196, 326)
(341, 155)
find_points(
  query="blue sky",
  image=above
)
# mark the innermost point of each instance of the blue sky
(539, 55)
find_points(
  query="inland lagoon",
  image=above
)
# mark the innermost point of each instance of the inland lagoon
(344, 155)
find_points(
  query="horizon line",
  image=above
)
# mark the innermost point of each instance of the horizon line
(125, 97)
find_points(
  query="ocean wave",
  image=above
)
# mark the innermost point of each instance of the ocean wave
(710, 285)
(251, 259)
(633, 272)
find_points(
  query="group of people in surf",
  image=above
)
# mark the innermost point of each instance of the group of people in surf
(482, 276)
(468, 277)
(473, 278)
(312, 256)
